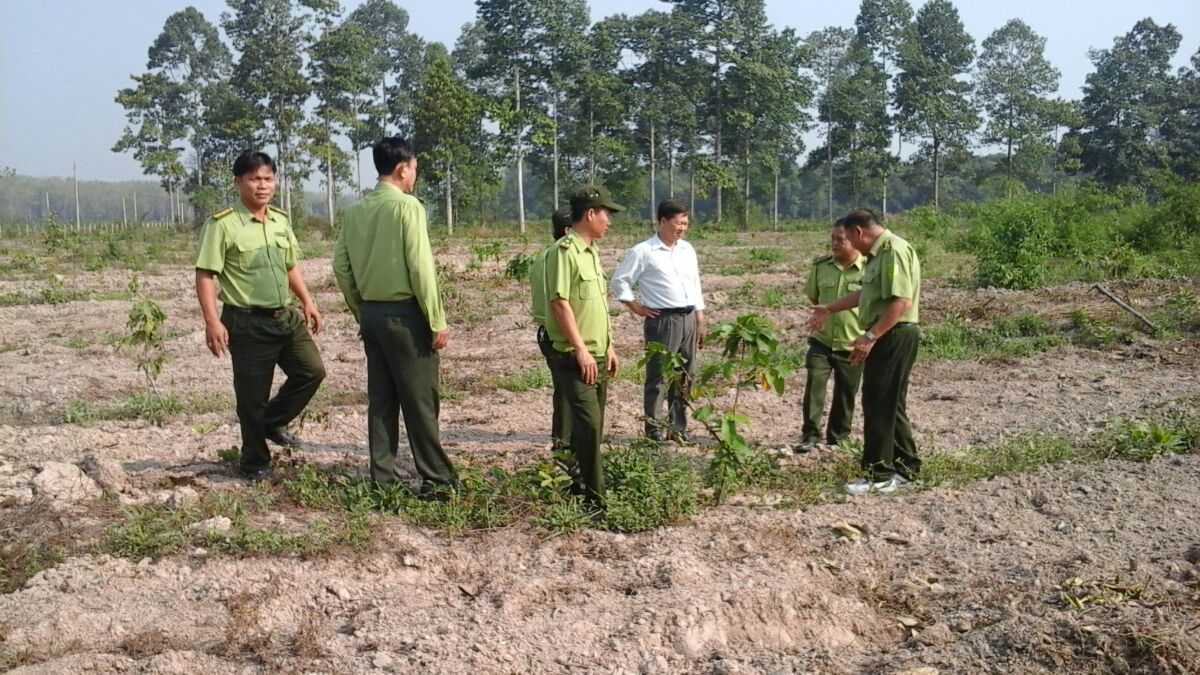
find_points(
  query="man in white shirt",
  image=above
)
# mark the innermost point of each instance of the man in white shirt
(665, 270)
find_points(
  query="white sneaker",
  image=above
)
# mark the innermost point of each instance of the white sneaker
(862, 486)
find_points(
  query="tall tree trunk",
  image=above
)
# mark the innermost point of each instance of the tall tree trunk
(692, 192)
(591, 144)
(520, 155)
(775, 203)
(746, 192)
(937, 174)
(720, 113)
(829, 166)
(449, 198)
(555, 149)
(718, 158)
(653, 194)
(671, 171)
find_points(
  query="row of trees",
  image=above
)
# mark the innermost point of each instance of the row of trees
(705, 98)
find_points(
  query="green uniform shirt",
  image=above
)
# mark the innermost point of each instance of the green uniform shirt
(893, 271)
(383, 254)
(573, 273)
(251, 258)
(828, 281)
(537, 286)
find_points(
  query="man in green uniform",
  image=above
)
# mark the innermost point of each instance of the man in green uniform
(252, 251)
(830, 278)
(384, 266)
(581, 332)
(888, 306)
(560, 424)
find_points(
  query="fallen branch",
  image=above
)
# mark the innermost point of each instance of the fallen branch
(1123, 305)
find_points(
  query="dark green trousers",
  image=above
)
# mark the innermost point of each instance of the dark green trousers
(888, 445)
(676, 332)
(258, 343)
(560, 418)
(820, 363)
(402, 377)
(585, 403)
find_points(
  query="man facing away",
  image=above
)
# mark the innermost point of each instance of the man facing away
(560, 424)
(384, 266)
(581, 332)
(665, 271)
(888, 306)
(251, 250)
(830, 278)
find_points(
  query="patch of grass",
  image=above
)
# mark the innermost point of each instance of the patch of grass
(1089, 332)
(1015, 455)
(645, 490)
(1017, 336)
(156, 531)
(779, 298)
(1143, 440)
(137, 406)
(527, 379)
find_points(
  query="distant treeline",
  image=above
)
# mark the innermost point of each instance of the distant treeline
(704, 99)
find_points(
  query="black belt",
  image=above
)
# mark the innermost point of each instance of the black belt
(675, 310)
(256, 311)
(905, 323)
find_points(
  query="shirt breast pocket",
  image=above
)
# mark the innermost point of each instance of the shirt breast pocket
(249, 255)
(586, 289)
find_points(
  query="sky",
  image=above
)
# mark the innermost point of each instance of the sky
(63, 61)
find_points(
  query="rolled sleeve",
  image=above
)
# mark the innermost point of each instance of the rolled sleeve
(626, 276)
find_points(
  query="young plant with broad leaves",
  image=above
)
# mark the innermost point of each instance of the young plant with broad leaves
(750, 360)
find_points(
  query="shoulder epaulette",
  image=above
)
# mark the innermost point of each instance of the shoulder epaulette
(222, 213)
(565, 242)
(887, 245)
(276, 209)
(822, 258)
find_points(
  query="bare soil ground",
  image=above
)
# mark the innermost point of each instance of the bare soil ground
(978, 579)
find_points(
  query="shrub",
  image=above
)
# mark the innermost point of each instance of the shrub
(1014, 245)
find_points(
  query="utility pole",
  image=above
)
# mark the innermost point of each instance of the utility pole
(47, 213)
(75, 172)
(124, 214)
(135, 211)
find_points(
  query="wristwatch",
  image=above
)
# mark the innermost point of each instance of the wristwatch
(871, 337)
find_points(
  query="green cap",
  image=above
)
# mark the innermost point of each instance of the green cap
(594, 197)
(560, 221)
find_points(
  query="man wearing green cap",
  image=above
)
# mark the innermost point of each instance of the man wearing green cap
(560, 425)
(581, 332)
(384, 266)
(251, 250)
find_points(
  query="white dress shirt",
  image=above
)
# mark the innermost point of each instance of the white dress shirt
(667, 277)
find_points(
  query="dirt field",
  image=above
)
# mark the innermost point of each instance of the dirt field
(1078, 567)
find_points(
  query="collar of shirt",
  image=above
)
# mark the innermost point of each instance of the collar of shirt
(657, 243)
(859, 261)
(246, 217)
(878, 245)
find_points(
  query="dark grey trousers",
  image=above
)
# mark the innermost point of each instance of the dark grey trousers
(676, 332)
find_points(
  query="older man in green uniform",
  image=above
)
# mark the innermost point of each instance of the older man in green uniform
(560, 423)
(581, 331)
(830, 278)
(384, 266)
(888, 305)
(252, 251)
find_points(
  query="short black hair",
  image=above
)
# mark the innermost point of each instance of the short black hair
(840, 222)
(252, 160)
(862, 218)
(390, 152)
(560, 222)
(669, 208)
(578, 211)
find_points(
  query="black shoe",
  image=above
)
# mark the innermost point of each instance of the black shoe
(804, 447)
(263, 475)
(682, 437)
(281, 436)
(655, 436)
(436, 492)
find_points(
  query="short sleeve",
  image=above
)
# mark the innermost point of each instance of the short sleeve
(293, 253)
(559, 274)
(811, 291)
(212, 248)
(897, 275)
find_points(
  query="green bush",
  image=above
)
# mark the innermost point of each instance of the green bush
(646, 490)
(518, 266)
(1014, 244)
